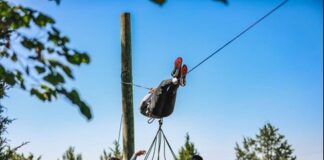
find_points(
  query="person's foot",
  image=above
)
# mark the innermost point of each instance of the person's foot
(184, 71)
(177, 68)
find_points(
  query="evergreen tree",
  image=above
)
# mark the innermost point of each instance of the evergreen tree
(7, 152)
(105, 156)
(4, 121)
(267, 145)
(16, 156)
(114, 152)
(70, 155)
(188, 150)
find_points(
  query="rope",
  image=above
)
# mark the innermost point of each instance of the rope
(164, 149)
(150, 120)
(150, 149)
(136, 85)
(159, 147)
(173, 154)
(239, 35)
(120, 125)
(154, 148)
(157, 141)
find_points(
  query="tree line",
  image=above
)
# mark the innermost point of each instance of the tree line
(268, 144)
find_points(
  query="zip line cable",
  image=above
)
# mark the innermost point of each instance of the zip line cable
(224, 45)
(239, 35)
(120, 126)
(136, 85)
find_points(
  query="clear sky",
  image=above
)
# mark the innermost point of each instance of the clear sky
(274, 73)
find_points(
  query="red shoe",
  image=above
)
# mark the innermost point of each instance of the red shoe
(177, 67)
(184, 72)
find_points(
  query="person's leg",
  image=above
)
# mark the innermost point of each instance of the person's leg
(177, 68)
(165, 83)
(158, 97)
(170, 100)
(184, 71)
(172, 93)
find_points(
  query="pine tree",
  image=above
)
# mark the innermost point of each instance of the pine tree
(188, 150)
(4, 121)
(70, 155)
(267, 145)
(114, 152)
(16, 156)
(105, 156)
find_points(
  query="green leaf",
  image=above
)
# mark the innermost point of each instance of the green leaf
(50, 50)
(67, 71)
(14, 57)
(26, 20)
(85, 110)
(4, 53)
(65, 40)
(55, 63)
(78, 58)
(21, 80)
(40, 69)
(38, 94)
(54, 78)
(55, 37)
(42, 20)
(74, 97)
(85, 58)
(45, 87)
(27, 43)
(55, 30)
(10, 78)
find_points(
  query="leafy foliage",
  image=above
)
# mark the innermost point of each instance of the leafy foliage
(267, 145)
(37, 62)
(188, 150)
(70, 155)
(162, 2)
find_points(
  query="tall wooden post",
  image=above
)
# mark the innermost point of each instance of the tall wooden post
(127, 90)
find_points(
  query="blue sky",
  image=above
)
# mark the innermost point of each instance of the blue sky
(274, 73)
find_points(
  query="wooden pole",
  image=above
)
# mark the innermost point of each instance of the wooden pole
(127, 90)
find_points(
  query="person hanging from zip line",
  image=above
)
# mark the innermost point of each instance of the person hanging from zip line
(160, 101)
